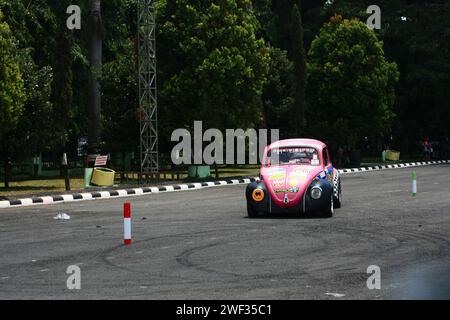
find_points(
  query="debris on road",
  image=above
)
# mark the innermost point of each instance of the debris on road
(336, 295)
(62, 216)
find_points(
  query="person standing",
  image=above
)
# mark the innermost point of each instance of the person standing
(426, 149)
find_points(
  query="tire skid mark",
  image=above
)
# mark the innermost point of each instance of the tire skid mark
(400, 237)
(104, 254)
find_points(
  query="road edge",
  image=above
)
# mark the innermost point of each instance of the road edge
(112, 194)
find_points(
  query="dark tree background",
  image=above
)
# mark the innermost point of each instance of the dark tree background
(259, 48)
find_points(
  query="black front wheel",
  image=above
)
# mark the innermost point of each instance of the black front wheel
(328, 212)
(251, 212)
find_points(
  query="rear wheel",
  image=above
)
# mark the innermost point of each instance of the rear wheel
(251, 212)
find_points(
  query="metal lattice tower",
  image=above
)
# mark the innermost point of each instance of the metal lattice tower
(147, 86)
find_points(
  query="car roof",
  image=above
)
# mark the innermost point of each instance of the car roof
(298, 143)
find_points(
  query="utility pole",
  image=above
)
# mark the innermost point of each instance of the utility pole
(148, 111)
(95, 58)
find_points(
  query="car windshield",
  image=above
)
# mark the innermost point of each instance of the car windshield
(293, 155)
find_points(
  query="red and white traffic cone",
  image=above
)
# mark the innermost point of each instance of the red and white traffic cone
(127, 223)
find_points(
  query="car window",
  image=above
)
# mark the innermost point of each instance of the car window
(293, 155)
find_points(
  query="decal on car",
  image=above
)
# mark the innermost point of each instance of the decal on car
(278, 183)
(299, 174)
(322, 175)
(275, 169)
(278, 175)
(336, 184)
(290, 190)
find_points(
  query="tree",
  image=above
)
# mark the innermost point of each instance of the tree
(212, 66)
(415, 34)
(40, 27)
(120, 124)
(268, 21)
(12, 93)
(299, 58)
(33, 132)
(63, 74)
(350, 83)
(279, 94)
(285, 31)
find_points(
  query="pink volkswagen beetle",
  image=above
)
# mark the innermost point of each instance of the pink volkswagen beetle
(296, 176)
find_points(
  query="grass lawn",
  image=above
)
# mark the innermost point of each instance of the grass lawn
(56, 185)
(37, 186)
(251, 171)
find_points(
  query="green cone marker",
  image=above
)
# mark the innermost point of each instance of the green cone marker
(414, 184)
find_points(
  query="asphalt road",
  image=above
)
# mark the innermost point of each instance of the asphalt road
(201, 245)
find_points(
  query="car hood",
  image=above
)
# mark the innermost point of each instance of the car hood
(288, 182)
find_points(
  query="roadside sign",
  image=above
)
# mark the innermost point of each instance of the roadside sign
(101, 161)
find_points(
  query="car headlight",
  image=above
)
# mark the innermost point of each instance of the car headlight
(316, 193)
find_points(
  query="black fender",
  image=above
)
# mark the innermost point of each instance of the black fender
(321, 204)
(259, 206)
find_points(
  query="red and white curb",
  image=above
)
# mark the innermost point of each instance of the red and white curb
(181, 187)
(119, 193)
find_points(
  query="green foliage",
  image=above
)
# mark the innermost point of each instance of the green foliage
(298, 55)
(120, 124)
(63, 87)
(420, 45)
(12, 93)
(262, 10)
(212, 65)
(34, 25)
(33, 133)
(349, 80)
(279, 94)
(40, 28)
(285, 31)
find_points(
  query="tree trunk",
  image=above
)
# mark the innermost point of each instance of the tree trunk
(65, 171)
(95, 59)
(7, 167)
